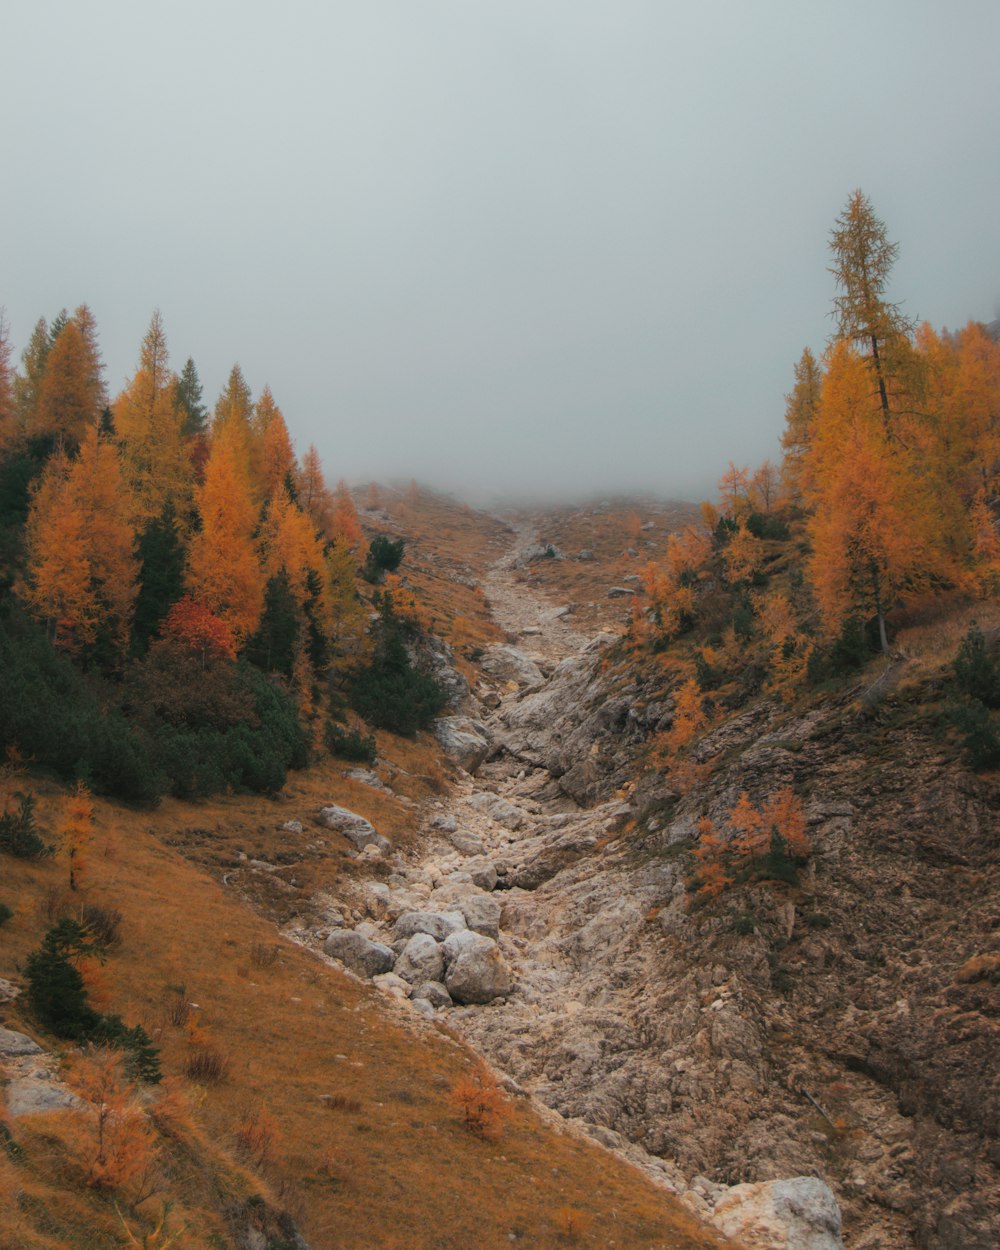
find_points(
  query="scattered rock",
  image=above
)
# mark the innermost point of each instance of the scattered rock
(292, 826)
(482, 914)
(585, 554)
(421, 960)
(467, 843)
(446, 823)
(509, 664)
(355, 828)
(8, 991)
(438, 925)
(358, 954)
(391, 983)
(465, 740)
(476, 971)
(621, 592)
(433, 992)
(36, 1093)
(498, 809)
(13, 1044)
(796, 1214)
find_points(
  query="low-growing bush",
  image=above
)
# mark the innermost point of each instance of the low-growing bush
(350, 744)
(5, 914)
(103, 924)
(977, 672)
(207, 1065)
(18, 834)
(391, 693)
(384, 556)
(482, 1102)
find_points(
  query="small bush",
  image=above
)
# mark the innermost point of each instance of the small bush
(257, 1136)
(744, 924)
(350, 744)
(977, 672)
(103, 924)
(980, 733)
(263, 954)
(390, 693)
(849, 652)
(18, 834)
(5, 914)
(818, 920)
(384, 556)
(481, 1101)
(207, 1065)
(572, 1224)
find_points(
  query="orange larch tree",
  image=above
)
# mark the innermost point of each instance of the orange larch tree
(148, 425)
(224, 570)
(274, 457)
(82, 566)
(344, 522)
(70, 394)
(874, 528)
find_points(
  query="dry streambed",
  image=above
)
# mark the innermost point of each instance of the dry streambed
(512, 925)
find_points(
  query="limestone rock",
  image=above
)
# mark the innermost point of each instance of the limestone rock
(439, 925)
(433, 992)
(482, 915)
(467, 843)
(355, 828)
(796, 1214)
(36, 1093)
(476, 971)
(358, 954)
(422, 960)
(13, 1044)
(498, 809)
(510, 664)
(465, 740)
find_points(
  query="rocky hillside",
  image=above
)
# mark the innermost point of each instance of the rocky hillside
(844, 1027)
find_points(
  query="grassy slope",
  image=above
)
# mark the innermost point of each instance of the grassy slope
(387, 1162)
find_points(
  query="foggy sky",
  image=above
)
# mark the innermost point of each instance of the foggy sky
(508, 245)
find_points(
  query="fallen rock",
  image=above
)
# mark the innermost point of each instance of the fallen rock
(433, 992)
(482, 874)
(476, 971)
(482, 915)
(498, 809)
(13, 1044)
(355, 828)
(796, 1214)
(621, 592)
(510, 664)
(292, 826)
(36, 1093)
(422, 960)
(8, 991)
(438, 925)
(467, 843)
(358, 954)
(465, 740)
(390, 983)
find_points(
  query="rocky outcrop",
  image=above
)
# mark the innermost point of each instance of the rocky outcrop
(358, 831)
(358, 954)
(510, 664)
(476, 971)
(796, 1214)
(464, 740)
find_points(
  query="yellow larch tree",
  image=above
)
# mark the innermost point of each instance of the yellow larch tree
(70, 392)
(801, 405)
(82, 565)
(314, 494)
(344, 520)
(273, 454)
(875, 528)
(224, 571)
(148, 425)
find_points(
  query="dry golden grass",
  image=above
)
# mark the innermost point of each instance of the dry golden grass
(364, 1145)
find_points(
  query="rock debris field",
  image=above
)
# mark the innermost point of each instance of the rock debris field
(515, 928)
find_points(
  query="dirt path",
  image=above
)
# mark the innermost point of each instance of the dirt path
(544, 627)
